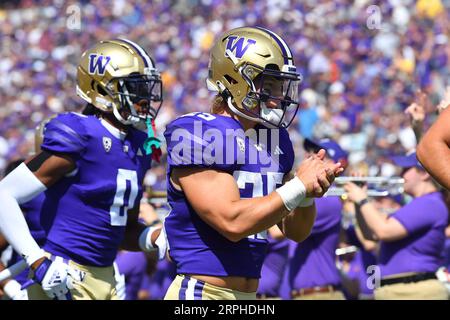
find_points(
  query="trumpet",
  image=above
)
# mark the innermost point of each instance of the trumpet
(376, 186)
(346, 250)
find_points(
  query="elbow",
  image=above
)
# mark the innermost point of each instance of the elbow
(421, 152)
(370, 245)
(299, 236)
(232, 232)
(233, 236)
(382, 235)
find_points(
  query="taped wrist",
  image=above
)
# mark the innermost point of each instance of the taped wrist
(12, 288)
(292, 193)
(145, 239)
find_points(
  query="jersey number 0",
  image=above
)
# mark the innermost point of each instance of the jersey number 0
(125, 197)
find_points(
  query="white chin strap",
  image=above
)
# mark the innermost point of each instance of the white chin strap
(239, 113)
(136, 122)
(266, 114)
(273, 115)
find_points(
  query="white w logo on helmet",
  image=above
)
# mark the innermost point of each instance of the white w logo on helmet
(238, 47)
(98, 63)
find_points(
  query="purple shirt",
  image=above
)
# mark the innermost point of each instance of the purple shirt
(158, 283)
(361, 261)
(273, 268)
(85, 214)
(133, 266)
(425, 219)
(313, 262)
(446, 253)
(258, 168)
(358, 270)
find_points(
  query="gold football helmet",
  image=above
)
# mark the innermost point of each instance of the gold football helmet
(39, 133)
(117, 76)
(250, 67)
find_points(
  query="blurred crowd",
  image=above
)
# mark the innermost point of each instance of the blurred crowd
(362, 62)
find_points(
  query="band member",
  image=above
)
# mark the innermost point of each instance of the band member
(411, 239)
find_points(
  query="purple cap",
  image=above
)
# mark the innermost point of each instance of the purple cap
(407, 161)
(333, 149)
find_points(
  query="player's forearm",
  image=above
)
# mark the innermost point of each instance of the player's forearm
(298, 224)
(245, 217)
(434, 154)
(14, 227)
(18, 187)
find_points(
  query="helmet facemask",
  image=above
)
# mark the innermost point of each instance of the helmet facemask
(273, 94)
(139, 98)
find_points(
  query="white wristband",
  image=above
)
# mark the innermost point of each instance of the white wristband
(307, 202)
(145, 241)
(12, 288)
(292, 193)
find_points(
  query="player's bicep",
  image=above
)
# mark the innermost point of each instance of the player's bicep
(439, 132)
(442, 123)
(49, 167)
(210, 192)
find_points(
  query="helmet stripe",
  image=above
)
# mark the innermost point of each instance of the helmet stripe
(147, 60)
(287, 54)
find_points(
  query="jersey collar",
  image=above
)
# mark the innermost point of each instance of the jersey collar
(113, 130)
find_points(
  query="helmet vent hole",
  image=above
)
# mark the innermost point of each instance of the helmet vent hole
(230, 79)
(101, 91)
(272, 66)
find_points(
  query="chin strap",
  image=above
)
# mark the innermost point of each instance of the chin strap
(152, 145)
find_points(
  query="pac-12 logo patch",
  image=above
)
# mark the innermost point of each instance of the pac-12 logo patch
(107, 143)
(239, 46)
(98, 63)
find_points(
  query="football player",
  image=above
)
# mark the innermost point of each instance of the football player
(433, 151)
(228, 171)
(91, 168)
(32, 210)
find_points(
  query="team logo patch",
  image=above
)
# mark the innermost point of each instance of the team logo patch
(239, 46)
(107, 143)
(98, 63)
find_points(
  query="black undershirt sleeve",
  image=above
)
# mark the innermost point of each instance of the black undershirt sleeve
(38, 160)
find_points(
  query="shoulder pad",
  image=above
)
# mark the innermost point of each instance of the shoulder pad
(66, 134)
(203, 140)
